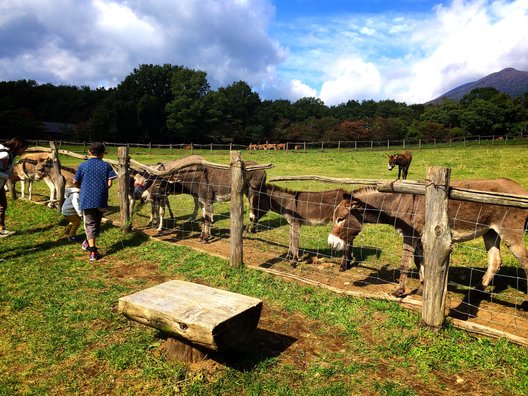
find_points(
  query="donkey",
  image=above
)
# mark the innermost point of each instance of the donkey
(150, 188)
(312, 208)
(67, 173)
(29, 168)
(468, 220)
(207, 185)
(402, 160)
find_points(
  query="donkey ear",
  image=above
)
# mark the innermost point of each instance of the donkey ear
(354, 204)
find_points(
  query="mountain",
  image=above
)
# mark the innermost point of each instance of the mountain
(510, 81)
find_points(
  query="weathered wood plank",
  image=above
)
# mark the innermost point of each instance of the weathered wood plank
(202, 315)
(437, 246)
(237, 210)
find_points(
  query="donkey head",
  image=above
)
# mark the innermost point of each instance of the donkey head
(346, 223)
(392, 161)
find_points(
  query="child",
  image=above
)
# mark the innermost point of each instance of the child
(8, 151)
(72, 212)
(94, 177)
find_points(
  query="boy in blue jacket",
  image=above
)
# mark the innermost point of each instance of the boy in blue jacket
(94, 177)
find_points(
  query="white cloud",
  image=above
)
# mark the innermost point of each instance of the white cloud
(467, 41)
(350, 78)
(101, 41)
(408, 57)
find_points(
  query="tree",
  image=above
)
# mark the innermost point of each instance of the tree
(306, 108)
(480, 117)
(187, 110)
(237, 106)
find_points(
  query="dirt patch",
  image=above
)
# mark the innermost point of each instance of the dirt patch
(293, 340)
(479, 312)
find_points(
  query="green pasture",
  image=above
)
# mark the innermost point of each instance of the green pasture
(60, 332)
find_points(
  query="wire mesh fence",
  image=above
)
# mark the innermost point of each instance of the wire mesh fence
(302, 218)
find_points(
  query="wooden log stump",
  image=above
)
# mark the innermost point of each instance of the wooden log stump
(197, 319)
(180, 350)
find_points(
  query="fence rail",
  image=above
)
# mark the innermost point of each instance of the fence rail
(299, 146)
(411, 187)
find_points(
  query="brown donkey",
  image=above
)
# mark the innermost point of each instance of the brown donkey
(312, 208)
(468, 220)
(402, 160)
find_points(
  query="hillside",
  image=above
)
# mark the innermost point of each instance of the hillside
(510, 81)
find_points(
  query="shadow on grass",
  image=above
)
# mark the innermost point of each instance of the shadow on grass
(262, 346)
(245, 355)
(135, 239)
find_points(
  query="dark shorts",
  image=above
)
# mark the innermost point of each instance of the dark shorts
(92, 222)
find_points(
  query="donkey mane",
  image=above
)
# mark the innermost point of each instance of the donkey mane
(275, 187)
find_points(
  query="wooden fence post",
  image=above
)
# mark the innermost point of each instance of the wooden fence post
(237, 209)
(437, 246)
(58, 178)
(123, 182)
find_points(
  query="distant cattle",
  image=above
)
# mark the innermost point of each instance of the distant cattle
(267, 146)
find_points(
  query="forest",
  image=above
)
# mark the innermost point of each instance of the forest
(173, 104)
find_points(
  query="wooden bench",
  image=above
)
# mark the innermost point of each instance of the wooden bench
(198, 319)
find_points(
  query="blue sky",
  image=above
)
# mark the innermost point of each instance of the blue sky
(337, 50)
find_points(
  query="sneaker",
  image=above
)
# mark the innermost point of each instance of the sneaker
(94, 255)
(85, 245)
(5, 233)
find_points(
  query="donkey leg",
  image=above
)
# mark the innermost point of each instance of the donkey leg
(166, 200)
(30, 189)
(161, 212)
(22, 188)
(405, 265)
(516, 246)
(492, 244)
(293, 252)
(418, 262)
(51, 187)
(195, 210)
(206, 224)
(347, 255)
(346, 259)
(153, 212)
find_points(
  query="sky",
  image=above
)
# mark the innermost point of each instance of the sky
(409, 51)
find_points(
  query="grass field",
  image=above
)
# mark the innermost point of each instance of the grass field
(60, 331)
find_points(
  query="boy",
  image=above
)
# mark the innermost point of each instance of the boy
(94, 177)
(72, 212)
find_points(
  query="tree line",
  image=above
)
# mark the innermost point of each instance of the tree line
(175, 104)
